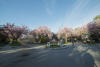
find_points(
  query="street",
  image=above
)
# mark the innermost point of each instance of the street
(38, 56)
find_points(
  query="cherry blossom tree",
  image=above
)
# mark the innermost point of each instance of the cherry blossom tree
(42, 34)
(65, 33)
(81, 32)
(15, 32)
(3, 34)
(94, 31)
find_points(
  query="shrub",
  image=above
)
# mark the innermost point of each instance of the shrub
(15, 43)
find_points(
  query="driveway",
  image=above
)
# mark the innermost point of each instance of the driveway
(38, 56)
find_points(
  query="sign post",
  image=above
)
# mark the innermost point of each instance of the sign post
(48, 44)
(86, 36)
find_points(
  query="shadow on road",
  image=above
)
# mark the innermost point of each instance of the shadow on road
(79, 56)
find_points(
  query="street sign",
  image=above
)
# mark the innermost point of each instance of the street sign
(86, 34)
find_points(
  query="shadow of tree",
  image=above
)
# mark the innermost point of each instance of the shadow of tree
(81, 59)
(90, 56)
(70, 57)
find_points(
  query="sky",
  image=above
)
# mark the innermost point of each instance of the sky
(55, 14)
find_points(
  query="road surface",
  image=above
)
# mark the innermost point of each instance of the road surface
(38, 56)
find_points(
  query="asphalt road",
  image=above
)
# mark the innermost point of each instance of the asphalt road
(78, 56)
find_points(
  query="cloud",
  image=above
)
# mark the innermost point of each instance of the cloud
(76, 9)
(78, 15)
(49, 12)
(49, 6)
(81, 12)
